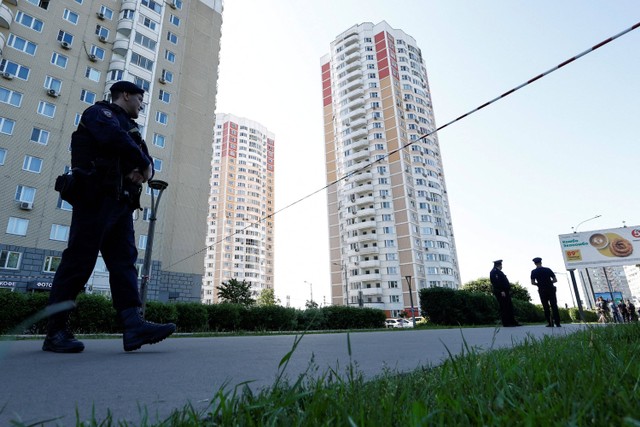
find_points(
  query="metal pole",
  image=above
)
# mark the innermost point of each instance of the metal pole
(146, 266)
(413, 315)
(575, 289)
(593, 293)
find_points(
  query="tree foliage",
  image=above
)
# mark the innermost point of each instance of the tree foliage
(483, 285)
(267, 298)
(311, 304)
(235, 292)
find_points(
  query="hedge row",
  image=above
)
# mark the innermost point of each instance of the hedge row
(95, 314)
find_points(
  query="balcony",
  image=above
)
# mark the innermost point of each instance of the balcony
(6, 16)
(366, 212)
(353, 55)
(358, 189)
(371, 277)
(355, 167)
(364, 199)
(357, 74)
(362, 177)
(121, 47)
(365, 225)
(358, 155)
(359, 133)
(124, 27)
(129, 5)
(355, 65)
(369, 264)
(369, 250)
(361, 143)
(359, 102)
(372, 291)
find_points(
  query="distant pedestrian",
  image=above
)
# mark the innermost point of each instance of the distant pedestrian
(544, 278)
(632, 310)
(501, 290)
(602, 308)
(624, 313)
(614, 312)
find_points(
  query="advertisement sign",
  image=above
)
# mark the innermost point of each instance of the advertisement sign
(601, 248)
(616, 296)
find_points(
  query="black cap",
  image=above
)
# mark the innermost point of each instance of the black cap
(537, 260)
(497, 262)
(125, 86)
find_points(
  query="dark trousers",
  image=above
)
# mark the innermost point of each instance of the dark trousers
(549, 304)
(99, 224)
(506, 309)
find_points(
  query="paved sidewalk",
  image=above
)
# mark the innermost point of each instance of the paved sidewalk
(36, 386)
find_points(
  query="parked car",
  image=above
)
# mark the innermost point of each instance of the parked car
(398, 323)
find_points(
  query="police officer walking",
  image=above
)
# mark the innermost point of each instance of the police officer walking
(501, 290)
(110, 162)
(544, 278)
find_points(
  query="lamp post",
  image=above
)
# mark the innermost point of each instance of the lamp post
(159, 185)
(575, 229)
(310, 291)
(413, 316)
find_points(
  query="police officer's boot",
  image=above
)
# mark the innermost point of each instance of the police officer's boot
(59, 337)
(138, 332)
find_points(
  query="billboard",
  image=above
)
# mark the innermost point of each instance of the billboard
(601, 248)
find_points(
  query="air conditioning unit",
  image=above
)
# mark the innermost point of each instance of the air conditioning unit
(100, 16)
(172, 4)
(93, 58)
(26, 206)
(65, 45)
(102, 39)
(162, 80)
(52, 92)
(7, 76)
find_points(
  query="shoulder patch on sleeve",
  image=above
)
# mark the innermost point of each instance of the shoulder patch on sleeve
(107, 112)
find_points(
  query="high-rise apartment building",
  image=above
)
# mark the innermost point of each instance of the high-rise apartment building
(389, 218)
(58, 58)
(240, 235)
(597, 280)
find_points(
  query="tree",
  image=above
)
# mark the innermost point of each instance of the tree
(311, 304)
(267, 298)
(483, 285)
(236, 292)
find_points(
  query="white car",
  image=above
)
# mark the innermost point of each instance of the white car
(398, 323)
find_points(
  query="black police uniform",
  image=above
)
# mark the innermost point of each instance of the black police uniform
(542, 276)
(104, 149)
(500, 284)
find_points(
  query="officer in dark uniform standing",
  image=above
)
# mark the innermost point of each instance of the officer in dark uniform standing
(544, 278)
(110, 162)
(501, 290)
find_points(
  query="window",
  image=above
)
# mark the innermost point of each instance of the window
(59, 60)
(162, 117)
(157, 165)
(87, 96)
(169, 56)
(116, 74)
(70, 16)
(142, 242)
(46, 109)
(167, 76)
(52, 83)
(141, 61)
(145, 41)
(156, 7)
(10, 259)
(147, 22)
(23, 45)
(97, 51)
(51, 263)
(106, 12)
(3, 155)
(177, 4)
(29, 21)
(92, 74)
(174, 20)
(59, 232)
(15, 69)
(63, 36)
(10, 97)
(144, 84)
(158, 140)
(102, 32)
(65, 206)
(6, 126)
(17, 226)
(146, 214)
(164, 96)
(25, 194)
(127, 14)
(32, 164)
(172, 37)
(77, 119)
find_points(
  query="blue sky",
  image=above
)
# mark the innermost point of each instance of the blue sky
(519, 172)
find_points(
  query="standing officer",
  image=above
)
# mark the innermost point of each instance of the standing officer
(501, 290)
(544, 278)
(110, 162)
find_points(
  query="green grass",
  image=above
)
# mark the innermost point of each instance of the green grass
(589, 378)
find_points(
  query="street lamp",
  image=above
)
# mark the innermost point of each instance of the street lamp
(160, 186)
(575, 229)
(310, 290)
(346, 282)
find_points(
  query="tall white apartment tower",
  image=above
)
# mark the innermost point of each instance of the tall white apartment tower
(59, 57)
(240, 229)
(389, 218)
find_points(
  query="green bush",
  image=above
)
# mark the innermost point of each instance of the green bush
(311, 319)
(225, 317)
(34, 303)
(589, 315)
(13, 310)
(527, 312)
(93, 314)
(269, 318)
(192, 317)
(160, 312)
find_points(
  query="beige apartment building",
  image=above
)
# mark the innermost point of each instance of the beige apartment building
(240, 231)
(389, 219)
(58, 58)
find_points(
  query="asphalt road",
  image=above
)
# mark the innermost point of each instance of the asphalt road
(36, 386)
